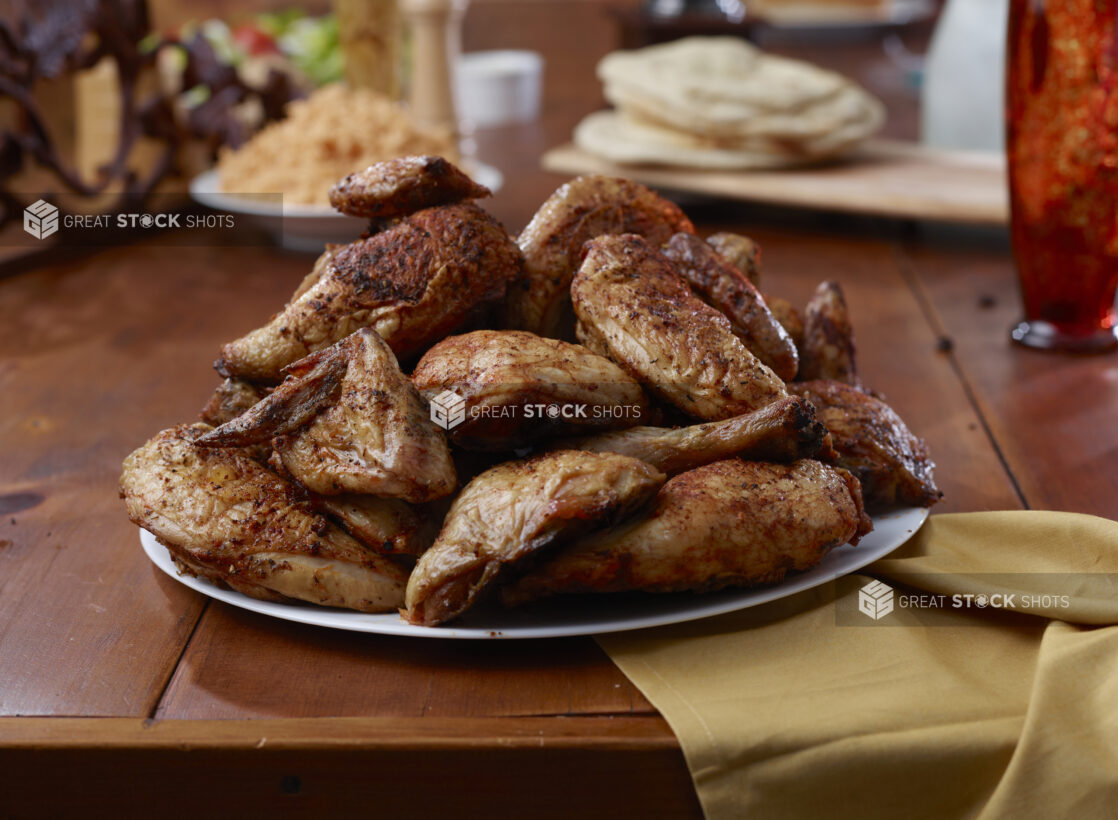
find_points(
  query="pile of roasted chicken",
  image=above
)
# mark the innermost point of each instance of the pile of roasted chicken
(724, 438)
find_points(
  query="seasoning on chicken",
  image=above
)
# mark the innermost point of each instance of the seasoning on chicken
(875, 444)
(828, 346)
(632, 305)
(348, 421)
(230, 520)
(512, 513)
(397, 187)
(414, 283)
(726, 289)
(730, 523)
(785, 430)
(582, 209)
(519, 387)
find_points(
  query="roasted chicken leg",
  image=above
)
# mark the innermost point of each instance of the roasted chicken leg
(584, 208)
(397, 187)
(730, 523)
(511, 513)
(785, 430)
(632, 305)
(228, 519)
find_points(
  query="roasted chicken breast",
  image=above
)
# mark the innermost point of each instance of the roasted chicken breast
(513, 512)
(414, 283)
(519, 387)
(875, 444)
(348, 420)
(726, 289)
(632, 306)
(730, 523)
(582, 209)
(785, 430)
(401, 186)
(228, 519)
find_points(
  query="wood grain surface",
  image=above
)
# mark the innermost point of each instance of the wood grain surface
(108, 666)
(889, 177)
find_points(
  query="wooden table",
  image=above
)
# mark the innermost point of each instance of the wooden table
(121, 689)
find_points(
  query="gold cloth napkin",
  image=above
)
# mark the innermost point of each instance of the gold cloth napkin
(805, 708)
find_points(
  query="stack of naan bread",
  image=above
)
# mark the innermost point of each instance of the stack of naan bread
(719, 102)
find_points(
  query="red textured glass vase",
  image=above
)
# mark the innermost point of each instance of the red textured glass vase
(1062, 147)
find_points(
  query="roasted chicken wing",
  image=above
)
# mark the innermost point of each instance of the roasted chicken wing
(828, 346)
(874, 444)
(231, 398)
(414, 283)
(228, 519)
(348, 421)
(726, 289)
(511, 513)
(632, 305)
(519, 387)
(584, 208)
(790, 319)
(785, 430)
(397, 187)
(741, 252)
(730, 523)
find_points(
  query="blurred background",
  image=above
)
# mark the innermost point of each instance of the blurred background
(109, 100)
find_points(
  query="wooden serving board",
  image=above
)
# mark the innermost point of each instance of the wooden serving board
(887, 177)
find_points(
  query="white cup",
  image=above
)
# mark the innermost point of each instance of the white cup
(498, 87)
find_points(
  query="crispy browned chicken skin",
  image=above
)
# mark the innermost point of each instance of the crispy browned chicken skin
(874, 444)
(414, 283)
(510, 379)
(348, 421)
(228, 519)
(402, 186)
(785, 430)
(725, 288)
(730, 523)
(514, 511)
(633, 307)
(584, 208)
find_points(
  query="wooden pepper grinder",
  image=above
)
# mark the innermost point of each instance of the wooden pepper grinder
(436, 29)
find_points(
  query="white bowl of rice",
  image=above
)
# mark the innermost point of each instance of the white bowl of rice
(282, 176)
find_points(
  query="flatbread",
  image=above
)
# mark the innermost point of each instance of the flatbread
(719, 102)
(725, 75)
(849, 105)
(624, 140)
